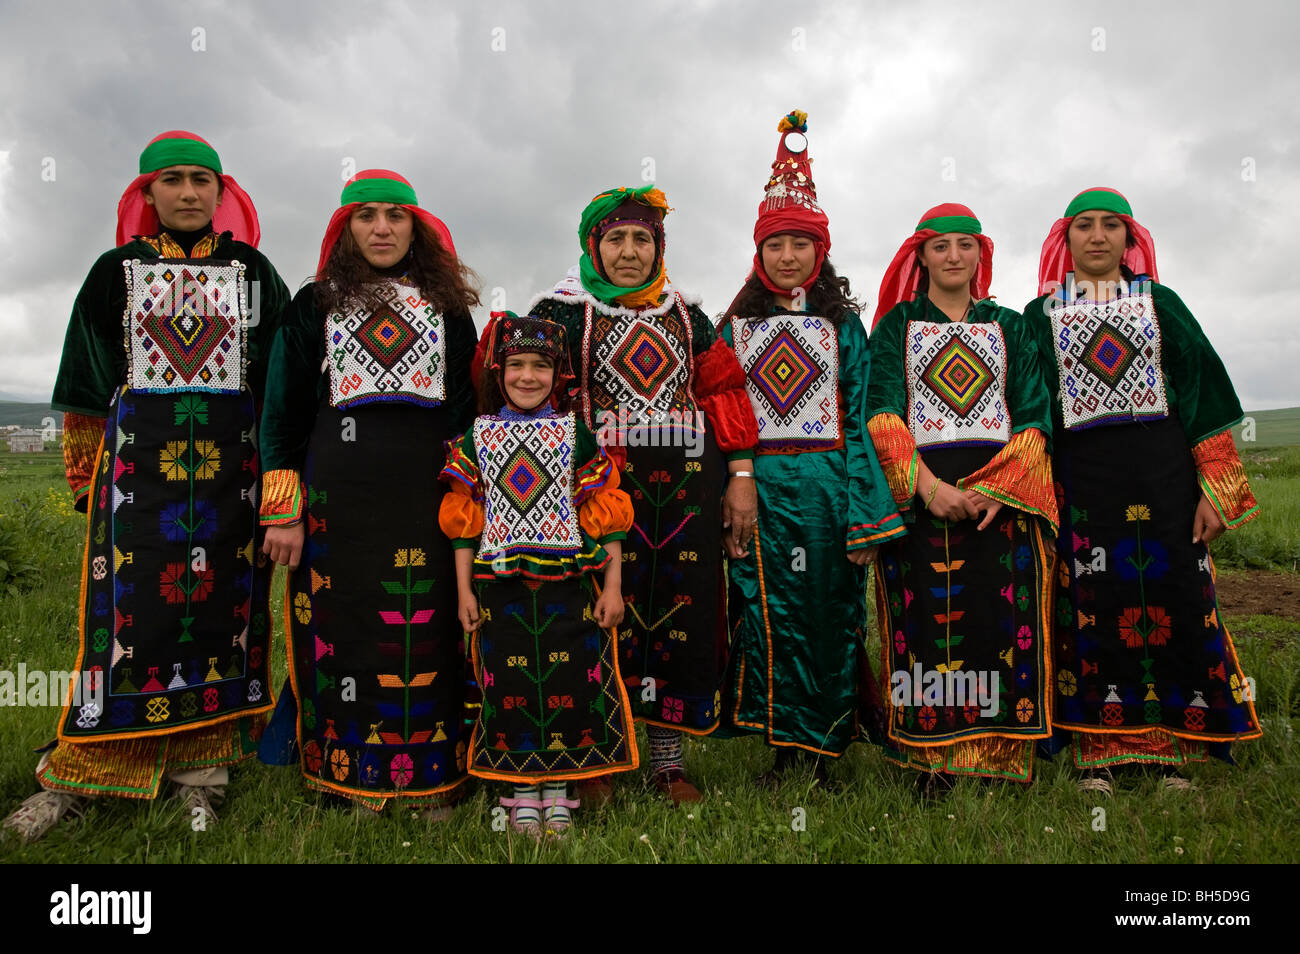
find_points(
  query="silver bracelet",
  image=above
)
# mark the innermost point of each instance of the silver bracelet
(742, 473)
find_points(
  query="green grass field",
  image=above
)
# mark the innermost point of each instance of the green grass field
(1247, 813)
(1275, 428)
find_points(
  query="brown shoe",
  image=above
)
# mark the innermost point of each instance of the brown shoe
(594, 792)
(673, 785)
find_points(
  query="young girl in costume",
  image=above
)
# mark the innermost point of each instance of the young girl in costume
(534, 510)
(798, 617)
(659, 387)
(959, 416)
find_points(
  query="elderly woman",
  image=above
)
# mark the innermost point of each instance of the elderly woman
(160, 384)
(654, 382)
(1143, 452)
(369, 379)
(799, 619)
(959, 418)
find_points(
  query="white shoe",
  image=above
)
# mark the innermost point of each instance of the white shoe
(42, 811)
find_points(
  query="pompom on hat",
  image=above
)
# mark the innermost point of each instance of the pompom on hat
(377, 185)
(1055, 262)
(135, 216)
(789, 203)
(903, 277)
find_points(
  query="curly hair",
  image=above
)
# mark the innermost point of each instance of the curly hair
(830, 297)
(449, 285)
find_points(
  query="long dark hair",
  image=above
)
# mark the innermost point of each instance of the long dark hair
(449, 285)
(829, 297)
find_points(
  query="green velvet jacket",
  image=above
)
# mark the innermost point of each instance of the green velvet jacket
(94, 361)
(1197, 386)
(298, 381)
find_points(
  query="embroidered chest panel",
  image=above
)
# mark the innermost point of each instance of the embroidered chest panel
(637, 368)
(391, 352)
(956, 383)
(527, 469)
(1108, 356)
(791, 365)
(186, 325)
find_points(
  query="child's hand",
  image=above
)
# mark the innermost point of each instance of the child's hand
(609, 608)
(470, 620)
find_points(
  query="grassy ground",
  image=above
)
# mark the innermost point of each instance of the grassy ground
(1247, 813)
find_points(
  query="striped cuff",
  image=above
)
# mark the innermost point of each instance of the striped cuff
(281, 498)
(871, 534)
(1223, 478)
(896, 450)
(1020, 474)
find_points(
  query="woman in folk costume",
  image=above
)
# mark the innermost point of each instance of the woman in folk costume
(160, 384)
(959, 415)
(797, 609)
(370, 379)
(655, 383)
(537, 498)
(1148, 475)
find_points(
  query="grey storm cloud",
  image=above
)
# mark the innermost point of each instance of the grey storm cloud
(508, 117)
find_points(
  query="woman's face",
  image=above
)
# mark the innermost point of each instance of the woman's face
(1097, 242)
(527, 379)
(789, 259)
(627, 253)
(185, 197)
(951, 260)
(383, 232)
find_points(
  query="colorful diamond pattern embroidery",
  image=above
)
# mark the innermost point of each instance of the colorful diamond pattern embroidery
(527, 469)
(393, 352)
(645, 360)
(525, 479)
(956, 381)
(791, 363)
(185, 327)
(958, 375)
(784, 371)
(1108, 359)
(1108, 354)
(385, 336)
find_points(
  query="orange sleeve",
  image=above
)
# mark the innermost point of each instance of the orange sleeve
(82, 435)
(606, 514)
(281, 498)
(1020, 474)
(896, 450)
(1223, 479)
(461, 516)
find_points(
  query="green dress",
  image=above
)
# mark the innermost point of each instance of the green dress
(797, 606)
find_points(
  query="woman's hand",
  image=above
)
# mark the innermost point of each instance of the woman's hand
(739, 514)
(987, 505)
(1207, 525)
(284, 544)
(609, 608)
(864, 557)
(947, 502)
(467, 610)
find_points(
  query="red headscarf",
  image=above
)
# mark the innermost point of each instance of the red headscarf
(903, 276)
(135, 216)
(1055, 262)
(377, 185)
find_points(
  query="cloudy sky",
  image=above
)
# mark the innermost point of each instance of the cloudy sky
(509, 117)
